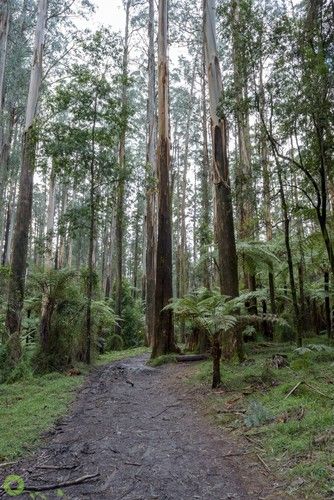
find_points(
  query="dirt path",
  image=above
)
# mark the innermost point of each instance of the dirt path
(139, 429)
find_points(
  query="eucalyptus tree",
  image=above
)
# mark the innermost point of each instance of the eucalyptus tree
(223, 223)
(23, 214)
(151, 223)
(163, 339)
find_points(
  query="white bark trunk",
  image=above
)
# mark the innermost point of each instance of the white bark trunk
(36, 70)
(4, 27)
(50, 221)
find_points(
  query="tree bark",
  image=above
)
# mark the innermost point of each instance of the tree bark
(49, 261)
(163, 337)
(224, 224)
(24, 207)
(121, 184)
(151, 226)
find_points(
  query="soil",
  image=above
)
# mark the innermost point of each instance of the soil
(144, 433)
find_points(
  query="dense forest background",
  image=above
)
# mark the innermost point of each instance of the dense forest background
(107, 176)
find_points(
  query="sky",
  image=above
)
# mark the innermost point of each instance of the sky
(110, 13)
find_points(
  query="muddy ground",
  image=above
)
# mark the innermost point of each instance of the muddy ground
(143, 434)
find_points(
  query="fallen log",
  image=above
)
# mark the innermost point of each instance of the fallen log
(185, 358)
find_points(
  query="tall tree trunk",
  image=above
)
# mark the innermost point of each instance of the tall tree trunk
(184, 255)
(92, 227)
(286, 223)
(224, 224)
(204, 186)
(246, 201)
(163, 337)
(24, 207)
(151, 226)
(121, 183)
(49, 261)
(327, 305)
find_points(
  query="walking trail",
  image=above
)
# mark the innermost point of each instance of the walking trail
(141, 433)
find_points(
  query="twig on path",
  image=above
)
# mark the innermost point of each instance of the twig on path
(132, 463)
(73, 482)
(165, 409)
(57, 467)
(6, 464)
(130, 383)
(238, 454)
(262, 462)
(253, 441)
(237, 412)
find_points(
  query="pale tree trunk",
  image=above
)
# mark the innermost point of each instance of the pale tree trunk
(184, 254)
(121, 183)
(246, 201)
(224, 224)
(5, 157)
(204, 186)
(49, 261)
(4, 28)
(24, 207)
(150, 221)
(265, 164)
(163, 338)
(62, 239)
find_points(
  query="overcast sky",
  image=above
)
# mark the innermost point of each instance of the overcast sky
(110, 13)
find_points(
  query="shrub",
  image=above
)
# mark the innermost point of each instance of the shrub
(257, 415)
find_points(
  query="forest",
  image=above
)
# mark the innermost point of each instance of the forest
(167, 191)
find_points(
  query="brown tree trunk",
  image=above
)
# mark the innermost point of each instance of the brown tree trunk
(204, 186)
(163, 337)
(327, 306)
(24, 207)
(151, 188)
(224, 224)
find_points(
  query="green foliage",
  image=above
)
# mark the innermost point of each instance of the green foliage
(257, 415)
(206, 309)
(163, 360)
(132, 317)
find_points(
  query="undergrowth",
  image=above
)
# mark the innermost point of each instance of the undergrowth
(295, 431)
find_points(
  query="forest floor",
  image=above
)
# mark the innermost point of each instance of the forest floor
(138, 432)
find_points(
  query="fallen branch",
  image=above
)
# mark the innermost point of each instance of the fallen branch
(6, 464)
(310, 387)
(72, 482)
(165, 409)
(191, 357)
(239, 412)
(317, 390)
(293, 389)
(56, 467)
(262, 462)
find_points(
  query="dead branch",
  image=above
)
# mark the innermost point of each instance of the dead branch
(73, 482)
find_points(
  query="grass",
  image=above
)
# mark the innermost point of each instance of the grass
(31, 406)
(109, 357)
(295, 433)
(163, 360)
